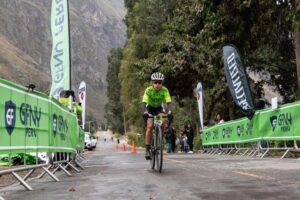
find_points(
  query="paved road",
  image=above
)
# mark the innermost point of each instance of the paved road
(111, 174)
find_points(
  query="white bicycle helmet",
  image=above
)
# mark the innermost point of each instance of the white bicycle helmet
(157, 76)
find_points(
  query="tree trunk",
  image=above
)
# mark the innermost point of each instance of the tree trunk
(297, 42)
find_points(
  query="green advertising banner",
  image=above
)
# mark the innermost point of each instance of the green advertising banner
(280, 124)
(267, 124)
(33, 122)
(60, 57)
(238, 131)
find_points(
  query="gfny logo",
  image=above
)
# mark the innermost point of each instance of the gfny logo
(59, 125)
(10, 116)
(273, 121)
(284, 121)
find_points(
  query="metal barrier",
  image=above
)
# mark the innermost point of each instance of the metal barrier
(252, 149)
(32, 169)
(287, 149)
(248, 149)
(61, 160)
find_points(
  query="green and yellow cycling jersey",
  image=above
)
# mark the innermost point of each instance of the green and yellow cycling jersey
(155, 98)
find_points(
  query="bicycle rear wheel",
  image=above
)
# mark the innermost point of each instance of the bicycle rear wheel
(152, 151)
(159, 148)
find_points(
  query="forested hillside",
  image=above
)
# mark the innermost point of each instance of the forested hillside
(184, 38)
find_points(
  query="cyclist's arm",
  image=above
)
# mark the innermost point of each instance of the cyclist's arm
(144, 107)
(145, 101)
(168, 100)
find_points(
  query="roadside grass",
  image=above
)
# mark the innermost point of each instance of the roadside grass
(137, 138)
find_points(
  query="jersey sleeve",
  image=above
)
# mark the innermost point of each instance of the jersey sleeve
(146, 97)
(167, 96)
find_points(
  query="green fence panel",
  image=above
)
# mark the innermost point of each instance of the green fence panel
(80, 142)
(63, 129)
(237, 131)
(43, 136)
(281, 124)
(5, 139)
(33, 122)
(13, 118)
(30, 117)
(278, 124)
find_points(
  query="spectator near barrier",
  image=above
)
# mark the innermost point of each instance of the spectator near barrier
(189, 132)
(64, 99)
(173, 141)
(185, 143)
(218, 119)
(170, 137)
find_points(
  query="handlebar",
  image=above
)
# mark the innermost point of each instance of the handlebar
(163, 117)
(153, 116)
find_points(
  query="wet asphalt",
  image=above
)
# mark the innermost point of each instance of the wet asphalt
(117, 174)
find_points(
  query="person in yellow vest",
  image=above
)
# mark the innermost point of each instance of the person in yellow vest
(64, 100)
(78, 109)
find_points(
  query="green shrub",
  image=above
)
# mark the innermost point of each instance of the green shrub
(197, 143)
(18, 159)
(137, 138)
(131, 137)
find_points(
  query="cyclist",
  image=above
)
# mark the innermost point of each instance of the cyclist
(154, 97)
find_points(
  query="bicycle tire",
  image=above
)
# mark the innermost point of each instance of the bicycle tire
(159, 149)
(152, 151)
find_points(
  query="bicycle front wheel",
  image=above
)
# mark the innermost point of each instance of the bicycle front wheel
(159, 149)
(152, 151)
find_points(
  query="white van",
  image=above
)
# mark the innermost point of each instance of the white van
(90, 141)
(87, 141)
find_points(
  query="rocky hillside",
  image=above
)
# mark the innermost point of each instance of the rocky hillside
(25, 44)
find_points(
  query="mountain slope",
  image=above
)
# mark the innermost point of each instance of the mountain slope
(25, 44)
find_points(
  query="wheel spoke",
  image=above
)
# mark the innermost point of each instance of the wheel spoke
(156, 149)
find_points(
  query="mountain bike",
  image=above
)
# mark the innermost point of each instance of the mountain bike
(157, 143)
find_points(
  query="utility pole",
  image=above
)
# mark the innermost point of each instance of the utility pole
(89, 126)
(297, 42)
(124, 120)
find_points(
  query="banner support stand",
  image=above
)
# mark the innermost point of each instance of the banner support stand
(22, 181)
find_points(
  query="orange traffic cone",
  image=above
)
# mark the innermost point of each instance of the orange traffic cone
(116, 147)
(123, 147)
(133, 148)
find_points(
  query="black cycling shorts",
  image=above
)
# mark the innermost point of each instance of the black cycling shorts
(155, 111)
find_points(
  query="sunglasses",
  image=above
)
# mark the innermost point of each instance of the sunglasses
(157, 82)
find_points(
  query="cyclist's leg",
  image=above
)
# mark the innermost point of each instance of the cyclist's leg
(149, 127)
(148, 131)
(148, 137)
(164, 124)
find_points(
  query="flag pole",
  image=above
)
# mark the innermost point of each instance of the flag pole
(70, 50)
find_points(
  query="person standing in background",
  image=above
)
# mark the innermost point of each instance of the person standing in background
(189, 132)
(170, 137)
(185, 143)
(173, 140)
(218, 119)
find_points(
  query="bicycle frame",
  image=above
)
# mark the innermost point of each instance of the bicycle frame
(157, 143)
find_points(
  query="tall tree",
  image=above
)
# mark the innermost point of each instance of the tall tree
(113, 107)
(184, 40)
(297, 39)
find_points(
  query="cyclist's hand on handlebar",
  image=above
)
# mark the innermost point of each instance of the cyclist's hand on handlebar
(145, 116)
